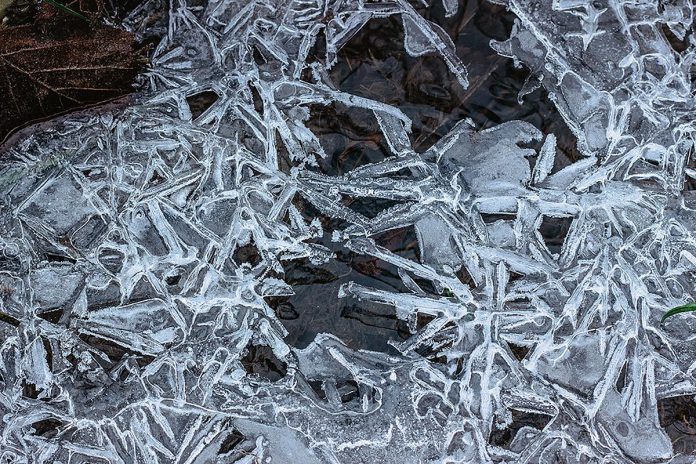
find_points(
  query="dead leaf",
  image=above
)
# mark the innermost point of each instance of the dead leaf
(61, 63)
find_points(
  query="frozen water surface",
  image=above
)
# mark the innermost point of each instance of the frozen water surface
(264, 259)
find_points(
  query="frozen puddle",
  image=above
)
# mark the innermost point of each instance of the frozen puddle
(363, 232)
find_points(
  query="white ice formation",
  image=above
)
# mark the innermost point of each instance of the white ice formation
(140, 251)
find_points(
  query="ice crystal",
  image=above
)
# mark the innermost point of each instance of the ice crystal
(142, 251)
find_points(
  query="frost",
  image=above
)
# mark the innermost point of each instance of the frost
(144, 252)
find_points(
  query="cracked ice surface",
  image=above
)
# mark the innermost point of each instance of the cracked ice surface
(128, 324)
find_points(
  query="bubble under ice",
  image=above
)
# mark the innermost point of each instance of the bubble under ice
(127, 323)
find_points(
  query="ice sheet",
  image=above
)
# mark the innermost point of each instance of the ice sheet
(139, 251)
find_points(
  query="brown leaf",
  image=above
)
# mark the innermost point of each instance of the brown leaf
(62, 63)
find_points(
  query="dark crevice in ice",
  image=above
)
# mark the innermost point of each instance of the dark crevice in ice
(231, 441)
(520, 351)
(47, 428)
(200, 102)
(525, 423)
(350, 137)
(247, 254)
(260, 360)
(554, 231)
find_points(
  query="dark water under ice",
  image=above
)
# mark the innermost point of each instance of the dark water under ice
(374, 65)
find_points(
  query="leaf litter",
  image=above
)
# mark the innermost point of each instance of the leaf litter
(60, 62)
